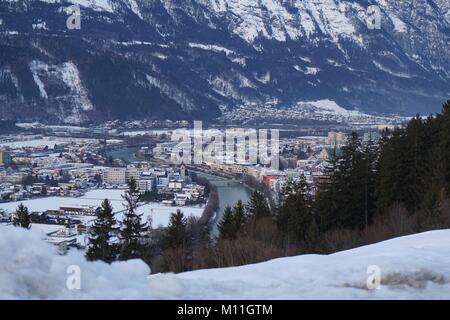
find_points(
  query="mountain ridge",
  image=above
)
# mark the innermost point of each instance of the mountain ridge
(136, 59)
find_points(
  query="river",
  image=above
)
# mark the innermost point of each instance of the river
(229, 192)
(126, 154)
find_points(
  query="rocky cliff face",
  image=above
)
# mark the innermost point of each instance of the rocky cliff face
(193, 59)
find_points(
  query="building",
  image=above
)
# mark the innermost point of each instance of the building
(114, 176)
(132, 172)
(78, 210)
(268, 180)
(164, 148)
(121, 175)
(175, 185)
(146, 182)
(181, 199)
(328, 154)
(336, 138)
(183, 171)
(373, 136)
(5, 158)
(62, 238)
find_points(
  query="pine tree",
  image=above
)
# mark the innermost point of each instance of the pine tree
(22, 217)
(295, 216)
(370, 156)
(444, 150)
(133, 230)
(227, 225)
(178, 243)
(351, 192)
(258, 206)
(326, 203)
(204, 241)
(390, 170)
(177, 230)
(432, 177)
(343, 198)
(203, 251)
(100, 246)
(239, 217)
(415, 154)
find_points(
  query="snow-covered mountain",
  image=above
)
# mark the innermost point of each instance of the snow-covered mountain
(196, 59)
(411, 267)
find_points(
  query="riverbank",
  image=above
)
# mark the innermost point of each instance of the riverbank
(229, 192)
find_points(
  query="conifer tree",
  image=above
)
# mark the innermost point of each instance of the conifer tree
(22, 218)
(178, 242)
(390, 170)
(295, 216)
(177, 231)
(343, 199)
(432, 177)
(416, 149)
(203, 253)
(444, 150)
(133, 231)
(258, 207)
(227, 225)
(100, 246)
(326, 204)
(370, 158)
(239, 216)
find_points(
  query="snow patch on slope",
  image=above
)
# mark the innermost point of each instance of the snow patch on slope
(35, 66)
(330, 107)
(288, 19)
(412, 267)
(389, 71)
(233, 56)
(67, 76)
(97, 5)
(135, 8)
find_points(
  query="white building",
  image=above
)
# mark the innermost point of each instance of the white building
(132, 172)
(146, 182)
(175, 185)
(121, 175)
(114, 176)
(2, 157)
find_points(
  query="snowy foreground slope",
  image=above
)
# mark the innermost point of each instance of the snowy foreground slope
(412, 267)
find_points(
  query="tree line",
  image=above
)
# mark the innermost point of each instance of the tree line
(370, 191)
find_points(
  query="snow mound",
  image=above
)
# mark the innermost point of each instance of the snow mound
(32, 269)
(411, 267)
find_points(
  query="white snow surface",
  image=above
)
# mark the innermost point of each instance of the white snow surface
(327, 106)
(329, 17)
(412, 267)
(160, 214)
(49, 142)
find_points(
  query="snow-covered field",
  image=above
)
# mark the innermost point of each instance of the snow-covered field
(46, 141)
(32, 143)
(160, 214)
(412, 267)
